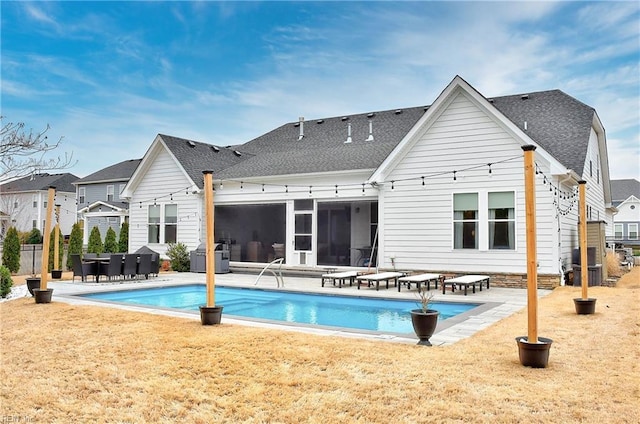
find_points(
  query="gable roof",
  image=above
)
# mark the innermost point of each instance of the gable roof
(119, 172)
(41, 182)
(557, 122)
(621, 190)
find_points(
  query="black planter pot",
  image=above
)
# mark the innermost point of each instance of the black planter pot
(210, 315)
(585, 306)
(534, 355)
(424, 324)
(43, 295)
(33, 283)
(56, 274)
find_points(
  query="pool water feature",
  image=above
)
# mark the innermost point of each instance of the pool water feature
(361, 313)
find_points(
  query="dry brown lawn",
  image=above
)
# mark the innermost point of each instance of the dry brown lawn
(63, 363)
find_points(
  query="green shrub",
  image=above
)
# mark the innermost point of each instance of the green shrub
(52, 246)
(95, 241)
(75, 244)
(5, 281)
(110, 244)
(123, 239)
(179, 257)
(11, 250)
(35, 237)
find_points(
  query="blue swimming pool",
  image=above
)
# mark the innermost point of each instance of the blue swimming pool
(383, 315)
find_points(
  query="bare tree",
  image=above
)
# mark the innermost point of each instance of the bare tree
(23, 153)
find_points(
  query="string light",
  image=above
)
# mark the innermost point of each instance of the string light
(454, 175)
(392, 183)
(489, 165)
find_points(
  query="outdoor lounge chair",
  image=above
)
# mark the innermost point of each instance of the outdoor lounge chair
(340, 277)
(465, 281)
(382, 276)
(82, 269)
(419, 279)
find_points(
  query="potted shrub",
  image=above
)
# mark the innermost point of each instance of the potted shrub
(424, 320)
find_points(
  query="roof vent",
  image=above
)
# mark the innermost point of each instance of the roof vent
(348, 140)
(490, 100)
(301, 123)
(319, 121)
(524, 97)
(215, 149)
(371, 115)
(425, 108)
(237, 153)
(370, 138)
(344, 118)
(191, 143)
(398, 111)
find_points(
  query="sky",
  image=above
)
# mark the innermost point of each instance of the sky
(109, 76)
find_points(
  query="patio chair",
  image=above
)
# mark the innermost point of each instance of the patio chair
(144, 267)
(112, 268)
(130, 268)
(155, 264)
(82, 269)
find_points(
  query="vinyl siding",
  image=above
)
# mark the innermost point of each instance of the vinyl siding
(164, 177)
(417, 224)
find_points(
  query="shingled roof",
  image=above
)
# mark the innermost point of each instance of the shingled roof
(559, 123)
(40, 182)
(196, 157)
(621, 190)
(119, 172)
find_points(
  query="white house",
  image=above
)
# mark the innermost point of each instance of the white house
(24, 201)
(432, 188)
(626, 199)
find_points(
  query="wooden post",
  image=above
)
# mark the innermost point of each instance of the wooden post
(56, 240)
(584, 263)
(532, 256)
(44, 269)
(210, 249)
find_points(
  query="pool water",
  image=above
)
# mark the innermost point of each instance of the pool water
(383, 315)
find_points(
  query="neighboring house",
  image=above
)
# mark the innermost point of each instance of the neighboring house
(24, 201)
(625, 195)
(99, 201)
(435, 188)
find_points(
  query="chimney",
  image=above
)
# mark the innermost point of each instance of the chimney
(348, 133)
(301, 122)
(370, 138)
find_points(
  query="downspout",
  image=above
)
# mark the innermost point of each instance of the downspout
(568, 176)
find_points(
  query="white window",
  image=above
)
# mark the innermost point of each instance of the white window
(34, 198)
(81, 195)
(110, 189)
(618, 231)
(34, 224)
(465, 221)
(632, 230)
(15, 204)
(154, 224)
(163, 228)
(502, 220)
(170, 223)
